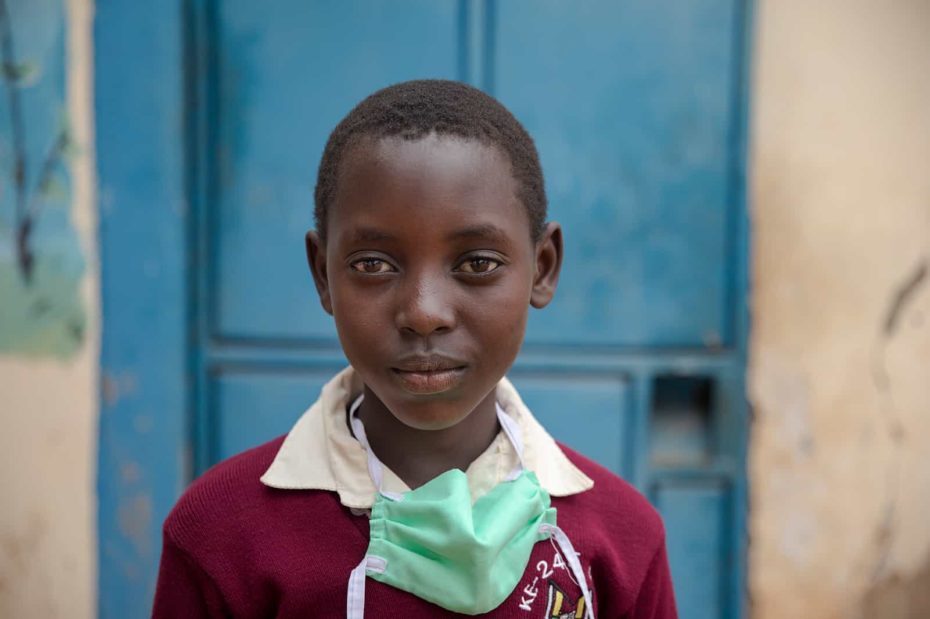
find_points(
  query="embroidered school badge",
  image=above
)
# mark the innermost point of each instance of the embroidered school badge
(556, 607)
(544, 587)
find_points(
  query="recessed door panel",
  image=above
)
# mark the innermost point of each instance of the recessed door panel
(590, 414)
(631, 107)
(250, 408)
(696, 514)
(287, 72)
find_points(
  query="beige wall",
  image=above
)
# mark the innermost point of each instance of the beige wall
(49, 417)
(840, 344)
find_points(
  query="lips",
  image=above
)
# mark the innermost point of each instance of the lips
(429, 374)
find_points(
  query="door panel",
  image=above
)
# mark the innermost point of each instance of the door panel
(630, 107)
(590, 414)
(696, 523)
(251, 407)
(287, 72)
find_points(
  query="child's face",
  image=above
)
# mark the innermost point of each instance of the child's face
(429, 270)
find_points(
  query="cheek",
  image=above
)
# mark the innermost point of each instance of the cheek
(358, 316)
(514, 298)
(503, 317)
(362, 344)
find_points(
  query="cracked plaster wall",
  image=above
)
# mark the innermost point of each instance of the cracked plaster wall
(839, 375)
(48, 414)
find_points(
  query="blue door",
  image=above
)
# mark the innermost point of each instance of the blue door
(637, 108)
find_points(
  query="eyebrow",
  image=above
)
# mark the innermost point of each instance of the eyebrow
(370, 235)
(486, 232)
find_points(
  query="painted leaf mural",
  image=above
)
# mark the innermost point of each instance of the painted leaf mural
(41, 262)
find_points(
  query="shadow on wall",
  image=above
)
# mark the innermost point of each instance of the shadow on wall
(902, 598)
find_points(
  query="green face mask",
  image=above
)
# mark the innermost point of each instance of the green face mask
(468, 558)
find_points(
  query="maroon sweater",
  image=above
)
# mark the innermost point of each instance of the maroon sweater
(234, 547)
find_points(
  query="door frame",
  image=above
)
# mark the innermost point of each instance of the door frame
(145, 252)
(149, 132)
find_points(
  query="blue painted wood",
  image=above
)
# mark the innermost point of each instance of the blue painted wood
(629, 104)
(143, 248)
(696, 520)
(639, 112)
(287, 72)
(588, 412)
(738, 297)
(656, 177)
(255, 405)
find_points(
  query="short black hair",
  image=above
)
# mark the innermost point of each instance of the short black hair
(415, 109)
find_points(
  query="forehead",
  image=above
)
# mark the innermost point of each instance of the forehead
(439, 182)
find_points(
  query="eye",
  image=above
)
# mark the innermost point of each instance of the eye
(479, 264)
(372, 266)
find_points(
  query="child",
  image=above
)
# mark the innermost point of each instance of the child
(419, 484)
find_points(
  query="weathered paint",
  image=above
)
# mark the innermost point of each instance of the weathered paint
(48, 408)
(143, 244)
(41, 262)
(840, 348)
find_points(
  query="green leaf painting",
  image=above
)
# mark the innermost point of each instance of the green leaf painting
(41, 262)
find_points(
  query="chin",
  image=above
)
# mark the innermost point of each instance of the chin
(421, 407)
(427, 420)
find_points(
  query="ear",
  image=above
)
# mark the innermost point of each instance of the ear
(316, 258)
(548, 265)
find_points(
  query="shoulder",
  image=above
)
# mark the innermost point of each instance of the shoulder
(621, 537)
(226, 493)
(613, 507)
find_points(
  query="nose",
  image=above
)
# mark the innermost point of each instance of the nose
(425, 306)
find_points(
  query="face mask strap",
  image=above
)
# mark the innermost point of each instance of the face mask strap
(512, 430)
(374, 465)
(571, 557)
(355, 600)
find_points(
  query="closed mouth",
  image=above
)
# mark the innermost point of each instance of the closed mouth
(427, 364)
(429, 375)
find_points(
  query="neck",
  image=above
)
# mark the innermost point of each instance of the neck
(417, 456)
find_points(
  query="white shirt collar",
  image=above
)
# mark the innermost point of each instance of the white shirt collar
(320, 453)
